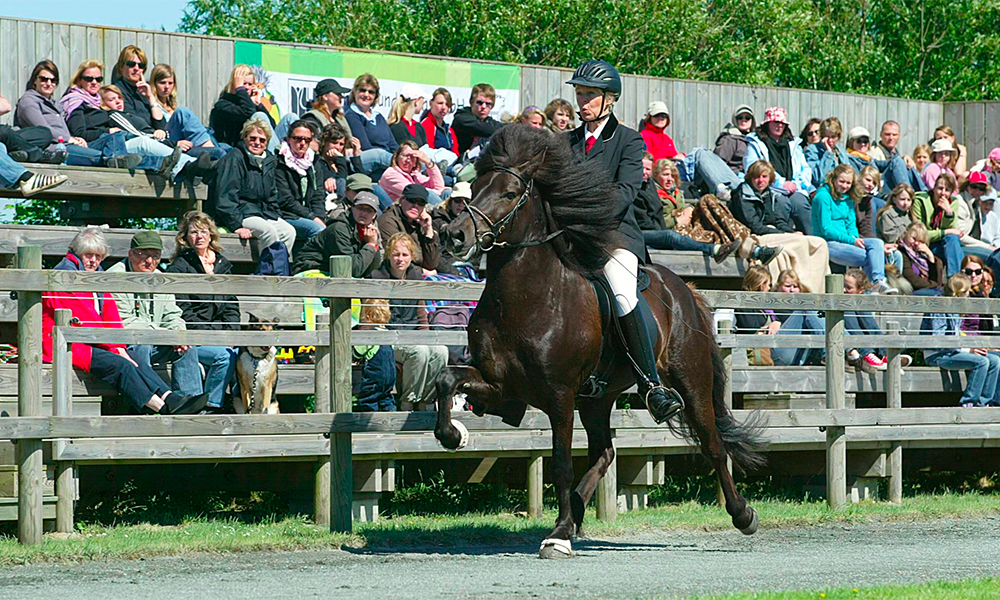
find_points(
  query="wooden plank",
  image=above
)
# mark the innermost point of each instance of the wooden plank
(193, 80)
(25, 53)
(110, 184)
(975, 129)
(94, 335)
(77, 44)
(111, 49)
(606, 496)
(536, 474)
(992, 133)
(60, 52)
(62, 401)
(8, 508)
(209, 77)
(321, 370)
(483, 469)
(9, 70)
(29, 404)
(341, 489)
(872, 341)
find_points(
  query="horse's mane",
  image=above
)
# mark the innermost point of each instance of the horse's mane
(580, 196)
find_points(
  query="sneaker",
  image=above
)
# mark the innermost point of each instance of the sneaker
(853, 355)
(39, 182)
(883, 288)
(723, 193)
(766, 254)
(125, 161)
(864, 366)
(969, 404)
(166, 169)
(727, 250)
(179, 404)
(875, 362)
(18, 155)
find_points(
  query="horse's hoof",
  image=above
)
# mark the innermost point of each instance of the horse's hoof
(463, 436)
(556, 548)
(752, 527)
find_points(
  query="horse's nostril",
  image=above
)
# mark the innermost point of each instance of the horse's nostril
(458, 237)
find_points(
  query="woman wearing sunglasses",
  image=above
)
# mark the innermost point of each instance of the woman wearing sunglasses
(731, 145)
(301, 194)
(140, 100)
(370, 127)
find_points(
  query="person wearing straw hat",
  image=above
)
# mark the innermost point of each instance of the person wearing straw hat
(942, 154)
(774, 142)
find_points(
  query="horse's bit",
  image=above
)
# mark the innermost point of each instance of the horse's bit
(488, 239)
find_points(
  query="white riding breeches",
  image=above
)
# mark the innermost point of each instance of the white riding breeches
(622, 272)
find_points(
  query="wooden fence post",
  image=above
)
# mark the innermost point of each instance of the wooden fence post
(836, 442)
(62, 406)
(341, 468)
(726, 327)
(607, 491)
(894, 399)
(535, 484)
(29, 402)
(321, 491)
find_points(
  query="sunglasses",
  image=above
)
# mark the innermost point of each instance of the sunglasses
(45, 79)
(484, 103)
(813, 132)
(863, 140)
(302, 138)
(367, 91)
(972, 272)
(92, 78)
(978, 186)
(133, 64)
(744, 118)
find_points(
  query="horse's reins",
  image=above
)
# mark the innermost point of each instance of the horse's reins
(488, 239)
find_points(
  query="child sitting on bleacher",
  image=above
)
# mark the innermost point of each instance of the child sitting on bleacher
(771, 322)
(983, 366)
(868, 360)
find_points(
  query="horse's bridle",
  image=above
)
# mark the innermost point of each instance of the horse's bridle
(488, 239)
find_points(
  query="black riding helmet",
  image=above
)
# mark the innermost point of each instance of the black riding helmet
(599, 74)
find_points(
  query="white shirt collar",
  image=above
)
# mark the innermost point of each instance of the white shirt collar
(597, 132)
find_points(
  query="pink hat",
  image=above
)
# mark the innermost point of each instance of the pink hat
(978, 177)
(776, 113)
(994, 154)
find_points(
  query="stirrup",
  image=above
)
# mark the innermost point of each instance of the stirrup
(679, 404)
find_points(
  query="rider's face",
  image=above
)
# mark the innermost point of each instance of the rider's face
(591, 100)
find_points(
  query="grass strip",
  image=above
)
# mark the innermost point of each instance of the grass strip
(969, 589)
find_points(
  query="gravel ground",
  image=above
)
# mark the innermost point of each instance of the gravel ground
(650, 565)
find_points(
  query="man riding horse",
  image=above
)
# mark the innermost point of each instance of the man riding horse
(619, 150)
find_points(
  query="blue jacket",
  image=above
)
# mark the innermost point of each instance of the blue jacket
(940, 324)
(801, 174)
(371, 135)
(834, 219)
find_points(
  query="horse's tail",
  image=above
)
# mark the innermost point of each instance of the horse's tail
(744, 441)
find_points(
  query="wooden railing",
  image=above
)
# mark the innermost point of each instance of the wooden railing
(333, 500)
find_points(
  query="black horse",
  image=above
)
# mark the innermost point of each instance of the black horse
(536, 334)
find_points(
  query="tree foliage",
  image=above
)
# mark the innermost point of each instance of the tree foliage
(931, 50)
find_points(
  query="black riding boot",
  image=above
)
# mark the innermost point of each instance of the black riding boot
(662, 402)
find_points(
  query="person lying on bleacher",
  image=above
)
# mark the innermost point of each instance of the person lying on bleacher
(36, 108)
(28, 144)
(160, 312)
(352, 233)
(144, 390)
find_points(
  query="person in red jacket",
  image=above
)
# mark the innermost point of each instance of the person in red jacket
(440, 136)
(659, 144)
(144, 390)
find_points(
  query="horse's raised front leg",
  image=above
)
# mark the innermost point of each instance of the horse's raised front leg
(557, 544)
(596, 418)
(452, 434)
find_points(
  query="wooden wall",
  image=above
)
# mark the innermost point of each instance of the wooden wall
(699, 110)
(976, 124)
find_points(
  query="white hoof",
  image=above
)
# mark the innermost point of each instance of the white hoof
(752, 527)
(464, 432)
(555, 548)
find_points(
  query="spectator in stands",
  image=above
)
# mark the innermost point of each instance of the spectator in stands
(887, 145)
(757, 321)
(140, 98)
(533, 117)
(936, 210)
(989, 166)
(758, 206)
(826, 154)
(986, 222)
(865, 209)
(921, 156)
(408, 167)
(868, 360)
(351, 233)
(378, 373)
(648, 211)
(301, 194)
(337, 160)
(28, 144)
(367, 125)
(37, 109)
(960, 159)
(160, 312)
(446, 212)
(942, 156)
(421, 365)
(404, 113)
(199, 251)
(892, 219)
(965, 222)
(731, 145)
(240, 101)
(810, 133)
(924, 272)
(243, 195)
(14, 175)
(773, 142)
(183, 126)
(973, 324)
(359, 182)
(327, 107)
(834, 219)
(983, 366)
(799, 322)
(559, 114)
(654, 132)
(440, 135)
(473, 124)
(409, 215)
(142, 388)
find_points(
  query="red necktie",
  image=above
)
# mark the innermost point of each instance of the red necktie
(590, 144)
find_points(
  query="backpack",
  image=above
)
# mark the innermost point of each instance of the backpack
(274, 261)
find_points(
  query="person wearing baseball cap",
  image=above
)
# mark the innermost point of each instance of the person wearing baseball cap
(731, 145)
(986, 225)
(773, 141)
(328, 104)
(409, 215)
(404, 113)
(654, 133)
(351, 233)
(446, 212)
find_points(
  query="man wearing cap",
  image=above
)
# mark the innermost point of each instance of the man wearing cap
(654, 134)
(446, 212)
(473, 124)
(986, 225)
(156, 312)
(731, 145)
(359, 182)
(410, 216)
(352, 233)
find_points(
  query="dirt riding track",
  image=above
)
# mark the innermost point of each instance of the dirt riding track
(653, 565)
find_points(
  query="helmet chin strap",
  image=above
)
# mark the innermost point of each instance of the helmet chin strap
(604, 99)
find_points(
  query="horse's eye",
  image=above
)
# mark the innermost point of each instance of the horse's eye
(510, 195)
